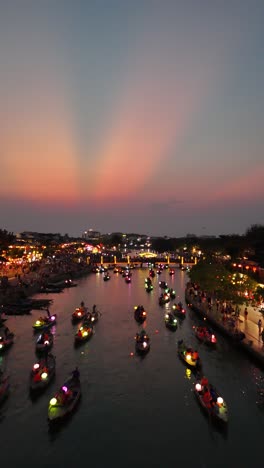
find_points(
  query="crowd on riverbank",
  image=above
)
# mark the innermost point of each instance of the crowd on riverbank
(21, 283)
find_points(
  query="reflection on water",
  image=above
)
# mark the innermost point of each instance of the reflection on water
(134, 411)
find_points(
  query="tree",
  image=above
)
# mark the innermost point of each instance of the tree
(6, 238)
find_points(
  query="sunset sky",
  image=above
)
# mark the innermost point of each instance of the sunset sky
(139, 116)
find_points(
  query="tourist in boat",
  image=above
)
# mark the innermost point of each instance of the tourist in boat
(48, 313)
(94, 309)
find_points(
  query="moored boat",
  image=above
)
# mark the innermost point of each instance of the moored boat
(45, 322)
(63, 403)
(42, 373)
(4, 387)
(142, 344)
(205, 335)
(211, 401)
(189, 355)
(6, 339)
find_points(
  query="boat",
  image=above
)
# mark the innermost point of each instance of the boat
(4, 387)
(211, 401)
(171, 272)
(79, 314)
(163, 285)
(148, 284)
(63, 403)
(128, 279)
(140, 314)
(106, 277)
(189, 355)
(178, 310)
(42, 373)
(152, 273)
(83, 334)
(6, 339)
(170, 321)
(94, 316)
(164, 299)
(171, 293)
(205, 335)
(44, 342)
(142, 344)
(45, 322)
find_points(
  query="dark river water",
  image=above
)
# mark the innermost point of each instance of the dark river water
(134, 412)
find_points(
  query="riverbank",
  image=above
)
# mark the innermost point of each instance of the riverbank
(19, 290)
(241, 333)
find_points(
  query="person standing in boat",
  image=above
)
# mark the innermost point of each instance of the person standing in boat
(94, 309)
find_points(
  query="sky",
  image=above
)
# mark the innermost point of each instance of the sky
(142, 116)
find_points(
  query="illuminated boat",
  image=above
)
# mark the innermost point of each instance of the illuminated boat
(128, 279)
(106, 277)
(170, 321)
(45, 322)
(94, 316)
(142, 343)
(4, 387)
(164, 299)
(171, 293)
(188, 355)
(83, 334)
(152, 273)
(78, 314)
(171, 272)
(42, 373)
(6, 340)
(140, 314)
(63, 403)
(205, 335)
(44, 342)
(211, 401)
(178, 310)
(163, 284)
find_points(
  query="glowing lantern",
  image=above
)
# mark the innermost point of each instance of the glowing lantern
(188, 357)
(44, 375)
(36, 366)
(198, 387)
(53, 401)
(220, 400)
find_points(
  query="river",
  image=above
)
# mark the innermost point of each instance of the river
(134, 412)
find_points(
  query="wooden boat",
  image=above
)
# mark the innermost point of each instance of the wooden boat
(44, 342)
(163, 284)
(178, 310)
(211, 401)
(45, 322)
(4, 388)
(142, 344)
(140, 314)
(164, 299)
(188, 355)
(65, 400)
(170, 321)
(205, 335)
(6, 340)
(83, 334)
(78, 314)
(42, 373)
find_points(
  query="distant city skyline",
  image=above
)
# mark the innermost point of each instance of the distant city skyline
(141, 116)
